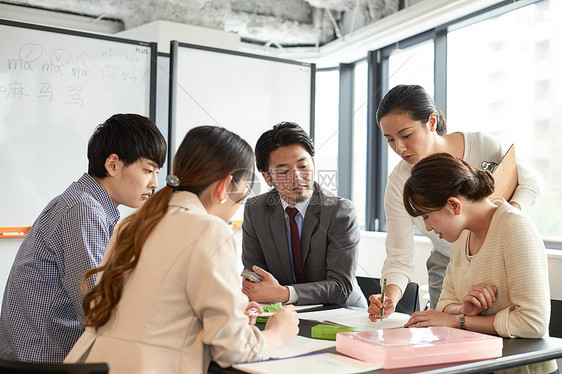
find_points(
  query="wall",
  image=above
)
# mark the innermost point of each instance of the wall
(8, 250)
(163, 32)
(372, 254)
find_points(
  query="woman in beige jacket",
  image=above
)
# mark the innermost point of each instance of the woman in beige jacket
(168, 297)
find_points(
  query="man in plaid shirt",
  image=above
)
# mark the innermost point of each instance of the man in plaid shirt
(42, 312)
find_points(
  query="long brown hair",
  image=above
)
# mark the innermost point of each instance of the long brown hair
(207, 154)
(437, 177)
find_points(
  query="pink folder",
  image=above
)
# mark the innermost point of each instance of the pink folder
(397, 348)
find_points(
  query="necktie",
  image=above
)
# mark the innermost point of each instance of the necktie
(295, 244)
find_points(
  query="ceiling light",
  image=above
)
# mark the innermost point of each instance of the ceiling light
(254, 27)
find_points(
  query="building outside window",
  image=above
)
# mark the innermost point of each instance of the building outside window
(413, 65)
(326, 128)
(359, 152)
(504, 78)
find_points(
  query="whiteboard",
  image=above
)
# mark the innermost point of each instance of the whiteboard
(56, 86)
(245, 93)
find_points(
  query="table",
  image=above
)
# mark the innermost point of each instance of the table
(516, 352)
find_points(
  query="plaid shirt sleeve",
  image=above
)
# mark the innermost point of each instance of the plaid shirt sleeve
(82, 248)
(41, 316)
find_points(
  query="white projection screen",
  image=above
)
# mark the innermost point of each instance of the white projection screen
(244, 93)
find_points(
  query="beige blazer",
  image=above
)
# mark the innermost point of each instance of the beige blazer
(182, 305)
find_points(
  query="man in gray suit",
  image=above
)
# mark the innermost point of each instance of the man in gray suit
(299, 237)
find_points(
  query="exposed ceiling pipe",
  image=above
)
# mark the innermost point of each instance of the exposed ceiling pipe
(354, 17)
(336, 27)
(270, 42)
(99, 18)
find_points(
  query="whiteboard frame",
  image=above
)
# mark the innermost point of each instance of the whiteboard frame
(152, 45)
(172, 110)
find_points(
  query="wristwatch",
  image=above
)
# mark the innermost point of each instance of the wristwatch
(462, 321)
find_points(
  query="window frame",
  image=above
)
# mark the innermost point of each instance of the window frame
(378, 76)
(377, 147)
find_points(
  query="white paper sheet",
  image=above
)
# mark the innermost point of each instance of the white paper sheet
(325, 363)
(353, 318)
(301, 345)
(298, 308)
(302, 308)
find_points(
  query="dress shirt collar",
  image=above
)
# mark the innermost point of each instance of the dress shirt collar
(100, 194)
(301, 207)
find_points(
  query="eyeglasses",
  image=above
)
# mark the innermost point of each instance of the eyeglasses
(286, 174)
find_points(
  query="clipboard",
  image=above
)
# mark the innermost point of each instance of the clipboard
(505, 176)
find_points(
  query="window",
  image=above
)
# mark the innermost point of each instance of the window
(500, 80)
(326, 126)
(542, 50)
(496, 72)
(359, 155)
(413, 65)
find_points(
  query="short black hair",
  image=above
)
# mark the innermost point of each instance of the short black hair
(283, 134)
(129, 136)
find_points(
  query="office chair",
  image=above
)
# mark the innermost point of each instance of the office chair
(555, 326)
(409, 303)
(18, 367)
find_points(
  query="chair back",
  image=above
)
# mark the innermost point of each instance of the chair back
(409, 303)
(19, 367)
(555, 326)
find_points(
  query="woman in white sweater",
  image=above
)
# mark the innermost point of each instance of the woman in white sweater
(497, 279)
(415, 128)
(168, 297)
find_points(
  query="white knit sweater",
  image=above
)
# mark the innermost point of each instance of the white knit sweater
(513, 259)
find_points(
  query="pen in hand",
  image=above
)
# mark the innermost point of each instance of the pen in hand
(256, 313)
(382, 299)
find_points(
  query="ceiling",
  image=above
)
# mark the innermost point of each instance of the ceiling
(282, 23)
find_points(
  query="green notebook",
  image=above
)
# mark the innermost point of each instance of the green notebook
(328, 332)
(270, 308)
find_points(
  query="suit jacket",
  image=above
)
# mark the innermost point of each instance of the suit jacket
(182, 305)
(329, 239)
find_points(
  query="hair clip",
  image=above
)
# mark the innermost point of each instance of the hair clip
(489, 165)
(172, 181)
